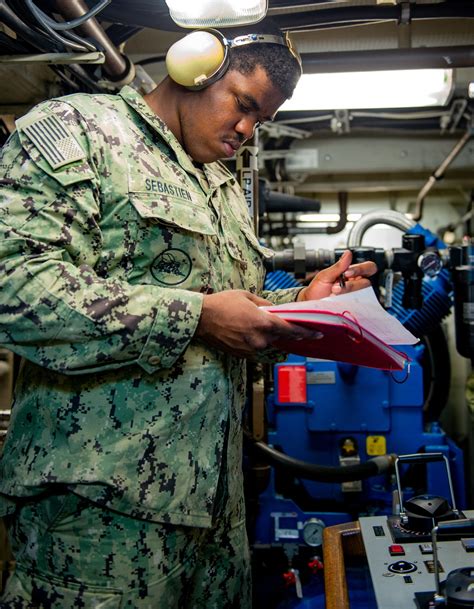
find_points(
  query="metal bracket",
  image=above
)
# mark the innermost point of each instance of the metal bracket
(278, 130)
(95, 57)
(340, 123)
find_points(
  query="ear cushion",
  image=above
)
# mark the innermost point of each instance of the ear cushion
(192, 60)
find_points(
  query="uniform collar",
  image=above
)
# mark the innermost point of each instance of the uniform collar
(216, 173)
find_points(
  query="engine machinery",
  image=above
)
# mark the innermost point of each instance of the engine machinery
(327, 422)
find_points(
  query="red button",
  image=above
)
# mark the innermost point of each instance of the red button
(396, 550)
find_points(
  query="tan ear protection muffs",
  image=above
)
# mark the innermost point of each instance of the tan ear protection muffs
(202, 57)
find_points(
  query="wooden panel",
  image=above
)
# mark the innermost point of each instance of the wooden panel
(339, 541)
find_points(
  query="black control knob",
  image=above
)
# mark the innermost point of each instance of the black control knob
(402, 567)
(424, 510)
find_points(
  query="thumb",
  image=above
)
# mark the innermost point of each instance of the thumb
(331, 273)
(343, 263)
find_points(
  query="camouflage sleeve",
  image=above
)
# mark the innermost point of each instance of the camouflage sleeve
(281, 296)
(54, 308)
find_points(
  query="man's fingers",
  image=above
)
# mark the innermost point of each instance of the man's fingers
(341, 265)
(257, 300)
(351, 286)
(362, 269)
(331, 273)
(285, 329)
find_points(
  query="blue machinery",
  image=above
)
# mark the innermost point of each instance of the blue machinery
(333, 414)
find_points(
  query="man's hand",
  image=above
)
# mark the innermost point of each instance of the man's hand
(326, 281)
(232, 322)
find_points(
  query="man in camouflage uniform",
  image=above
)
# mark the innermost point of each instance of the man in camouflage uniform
(130, 284)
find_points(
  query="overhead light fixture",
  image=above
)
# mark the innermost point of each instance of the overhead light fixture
(216, 13)
(327, 217)
(369, 90)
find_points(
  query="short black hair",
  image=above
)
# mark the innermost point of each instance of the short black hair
(281, 66)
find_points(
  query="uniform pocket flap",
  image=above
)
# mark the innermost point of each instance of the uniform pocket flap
(51, 591)
(254, 242)
(168, 210)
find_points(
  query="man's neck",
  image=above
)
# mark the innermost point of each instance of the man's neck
(163, 101)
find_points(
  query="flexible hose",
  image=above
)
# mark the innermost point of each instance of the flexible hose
(73, 41)
(326, 473)
(382, 216)
(68, 25)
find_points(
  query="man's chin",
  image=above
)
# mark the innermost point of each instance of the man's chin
(206, 158)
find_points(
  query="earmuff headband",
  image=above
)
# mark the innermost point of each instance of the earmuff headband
(284, 41)
(253, 38)
(202, 57)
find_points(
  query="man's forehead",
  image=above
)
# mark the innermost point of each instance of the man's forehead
(256, 90)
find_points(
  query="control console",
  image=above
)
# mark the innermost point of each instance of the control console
(423, 557)
(403, 574)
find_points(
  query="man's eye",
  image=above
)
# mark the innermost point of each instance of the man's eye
(242, 107)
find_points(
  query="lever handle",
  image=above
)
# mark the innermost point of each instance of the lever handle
(465, 526)
(421, 458)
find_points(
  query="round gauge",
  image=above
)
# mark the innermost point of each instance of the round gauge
(430, 263)
(313, 532)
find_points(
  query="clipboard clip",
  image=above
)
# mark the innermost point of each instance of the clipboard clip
(407, 373)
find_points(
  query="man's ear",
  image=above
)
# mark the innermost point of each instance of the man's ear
(198, 59)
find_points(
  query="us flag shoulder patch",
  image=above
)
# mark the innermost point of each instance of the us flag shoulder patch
(53, 140)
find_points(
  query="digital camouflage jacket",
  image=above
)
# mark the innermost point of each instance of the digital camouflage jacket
(109, 237)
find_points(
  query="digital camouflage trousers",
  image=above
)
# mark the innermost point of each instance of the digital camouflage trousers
(72, 554)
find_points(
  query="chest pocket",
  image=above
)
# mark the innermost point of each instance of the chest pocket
(172, 241)
(247, 253)
(242, 242)
(172, 212)
(254, 242)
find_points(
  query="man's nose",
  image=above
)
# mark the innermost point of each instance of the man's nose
(246, 127)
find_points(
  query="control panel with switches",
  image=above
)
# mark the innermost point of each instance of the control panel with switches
(400, 570)
(422, 557)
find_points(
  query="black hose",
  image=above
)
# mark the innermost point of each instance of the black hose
(24, 31)
(326, 473)
(436, 364)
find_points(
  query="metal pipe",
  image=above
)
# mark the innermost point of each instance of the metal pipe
(389, 59)
(341, 223)
(381, 216)
(280, 202)
(360, 15)
(70, 25)
(317, 230)
(54, 58)
(438, 174)
(116, 65)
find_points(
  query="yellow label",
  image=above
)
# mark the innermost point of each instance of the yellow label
(376, 445)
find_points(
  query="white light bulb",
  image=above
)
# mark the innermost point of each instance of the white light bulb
(377, 89)
(216, 13)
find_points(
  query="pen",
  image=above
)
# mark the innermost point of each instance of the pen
(342, 280)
